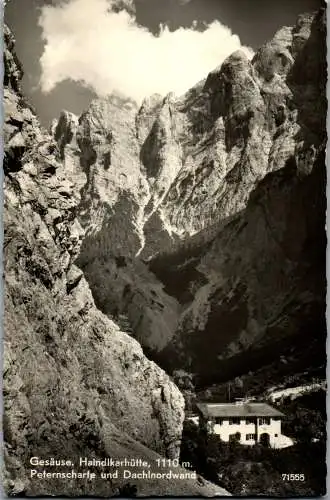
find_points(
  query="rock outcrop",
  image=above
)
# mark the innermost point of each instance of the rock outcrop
(259, 288)
(259, 284)
(209, 203)
(74, 384)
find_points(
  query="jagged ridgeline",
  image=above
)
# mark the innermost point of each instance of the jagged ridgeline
(75, 385)
(205, 214)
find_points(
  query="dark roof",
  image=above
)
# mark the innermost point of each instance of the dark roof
(238, 410)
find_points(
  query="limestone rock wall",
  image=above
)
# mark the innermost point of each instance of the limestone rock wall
(194, 163)
(74, 384)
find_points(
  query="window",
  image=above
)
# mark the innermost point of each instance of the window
(218, 420)
(250, 437)
(264, 421)
(249, 421)
(235, 438)
(234, 421)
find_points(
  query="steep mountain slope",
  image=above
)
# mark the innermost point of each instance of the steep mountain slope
(264, 281)
(74, 384)
(191, 161)
(100, 151)
(260, 287)
(215, 242)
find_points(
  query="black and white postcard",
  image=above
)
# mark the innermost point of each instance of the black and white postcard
(164, 251)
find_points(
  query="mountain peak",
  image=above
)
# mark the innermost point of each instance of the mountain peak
(180, 168)
(71, 375)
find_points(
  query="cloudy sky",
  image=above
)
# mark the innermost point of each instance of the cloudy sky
(74, 50)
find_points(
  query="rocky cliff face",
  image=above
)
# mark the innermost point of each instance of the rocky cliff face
(252, 305)
(191, 161)
(218, 181)
(74, 384)
(259, 285)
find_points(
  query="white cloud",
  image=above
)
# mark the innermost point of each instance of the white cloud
(87, 42)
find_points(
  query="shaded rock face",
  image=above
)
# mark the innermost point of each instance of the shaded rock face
(259, 285)
(74, 384)
(209, 202)
(252, 306)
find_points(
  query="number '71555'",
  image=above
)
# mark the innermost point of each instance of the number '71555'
(293, 477)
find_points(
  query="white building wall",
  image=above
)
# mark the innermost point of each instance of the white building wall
(225, 430)
(276, 439)
(274, 431)
(283, 442)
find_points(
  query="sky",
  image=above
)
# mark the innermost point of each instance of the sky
(75, 50)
